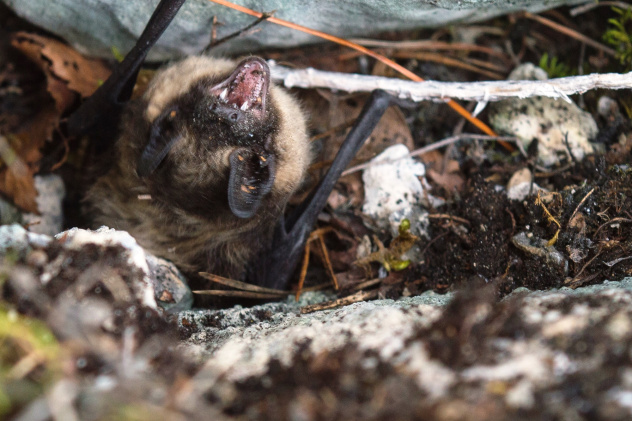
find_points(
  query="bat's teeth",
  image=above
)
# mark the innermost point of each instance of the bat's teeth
(244, 106)
(224, 94)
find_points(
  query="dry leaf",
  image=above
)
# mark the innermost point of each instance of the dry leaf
(16, 177)
(68, 76)
(67, 72)
(450, 181)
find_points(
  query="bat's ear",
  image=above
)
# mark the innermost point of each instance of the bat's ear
(164, 133)
(251, 178)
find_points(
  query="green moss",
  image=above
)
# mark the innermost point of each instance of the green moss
(619, 36)
(29, 359)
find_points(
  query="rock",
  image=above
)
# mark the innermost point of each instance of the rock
(521, 184)
(171, 289)
(126, 250)
(540, 247)
(394, 190)
(549, 355)
(560, 127)
(95, 26)
(152, 280)
(50, 194)
(15, 239)
(209, 331)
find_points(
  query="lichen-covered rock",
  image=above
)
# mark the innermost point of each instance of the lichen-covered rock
(395, 189)
(548, 355)
(50, 194)
(561, 128)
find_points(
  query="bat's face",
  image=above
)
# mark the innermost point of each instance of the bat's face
(213, 142)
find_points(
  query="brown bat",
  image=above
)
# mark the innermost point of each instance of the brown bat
(219, 151)
(206, 161)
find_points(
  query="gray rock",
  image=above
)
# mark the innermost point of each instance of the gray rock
(50, 194)
(561, 127)
(95, 26)
(15, 239)
(171, 289)
(212, 329)
(549, 355)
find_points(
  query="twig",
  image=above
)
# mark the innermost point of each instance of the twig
(574, 280)
(241, 285)
(580, 205)
(233, 293)
(568, 148)
(613, 220)
(357, 297)
(430, 45)
(447, 61)
(429, 148)
(449, 217)
(589, 6)
(214, 43)
(570, 32)
(434, 90)
(549, 217)
(366, 284)
(615, 261)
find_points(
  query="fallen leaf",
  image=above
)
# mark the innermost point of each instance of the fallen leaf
(450, 181)
(16, 176)
(60, 61)
(68, 76)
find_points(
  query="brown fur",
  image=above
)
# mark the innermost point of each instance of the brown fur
(186, 220)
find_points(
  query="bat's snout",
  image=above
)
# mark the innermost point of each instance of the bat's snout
(244, 92)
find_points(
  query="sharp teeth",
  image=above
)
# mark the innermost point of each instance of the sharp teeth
(244, 106)
(224, 93)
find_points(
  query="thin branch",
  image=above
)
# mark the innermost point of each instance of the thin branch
(429, 45)
(589, 6)
(433, 90)
(241, 285)
(429, 148)
(571, 33)
(580, 205)
(355, 298)
(240, 294)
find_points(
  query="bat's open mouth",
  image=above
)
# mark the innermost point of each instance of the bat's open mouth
(246, 89)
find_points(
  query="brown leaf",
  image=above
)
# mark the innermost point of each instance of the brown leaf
(21, 188)
(66, 70)
(16, 176)
(450, 181)
(20, 155)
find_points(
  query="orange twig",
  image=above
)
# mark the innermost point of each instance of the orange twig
(412, 76)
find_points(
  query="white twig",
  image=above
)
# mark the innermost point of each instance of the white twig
(433, 90)
(435, 146)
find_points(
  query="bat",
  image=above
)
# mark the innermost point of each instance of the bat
(206, 160)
